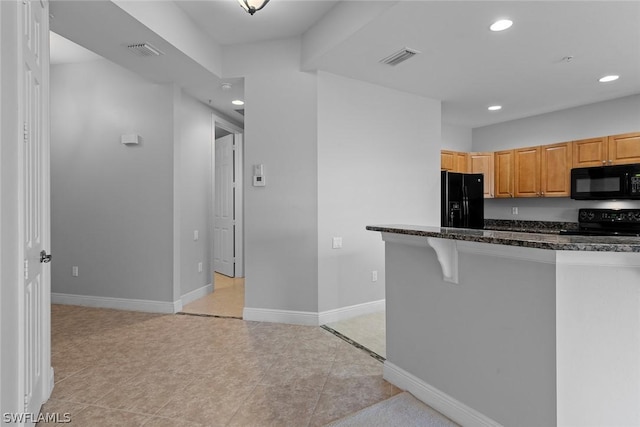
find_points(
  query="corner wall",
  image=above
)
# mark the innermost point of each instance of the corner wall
(281, 231)
(378, 163)
(111, 204)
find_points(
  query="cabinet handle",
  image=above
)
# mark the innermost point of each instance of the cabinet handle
(604, 162)
(610, 162)
(542, 194)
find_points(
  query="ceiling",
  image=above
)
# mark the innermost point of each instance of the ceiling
(461, 62)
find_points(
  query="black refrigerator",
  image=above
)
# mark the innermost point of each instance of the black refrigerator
(462, 204)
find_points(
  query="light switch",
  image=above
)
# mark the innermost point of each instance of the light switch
(195, 235)
(337, 242)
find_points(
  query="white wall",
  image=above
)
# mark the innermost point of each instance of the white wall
(195, 192)
(378, 162)
(456, 138)
(111, 204)
(281, 251)
(604, 118)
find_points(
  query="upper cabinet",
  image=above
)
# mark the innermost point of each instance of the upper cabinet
(483, 163)
(503, 161)
(555, 170)
(454, 161)
(545, 170)
(526, 178)
(624, 148)
(611, 150)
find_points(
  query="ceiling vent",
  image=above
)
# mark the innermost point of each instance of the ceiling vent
(399, 56)
(145, 49)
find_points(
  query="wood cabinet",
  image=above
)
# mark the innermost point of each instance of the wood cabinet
(503, 162)
(454, 161)
(607, 150)
(624, 149)
(526, 178)
(541, 171)
(483, 163)
(555, 170)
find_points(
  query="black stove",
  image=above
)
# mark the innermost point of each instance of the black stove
(607, 222)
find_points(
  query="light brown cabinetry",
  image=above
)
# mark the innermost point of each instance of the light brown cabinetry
(526, 178)
(555, 170)
(483, 163)
(624, 149)
(454, 161)
(503, 161)
(607, 150)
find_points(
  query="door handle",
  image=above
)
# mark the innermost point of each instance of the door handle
(44, 258)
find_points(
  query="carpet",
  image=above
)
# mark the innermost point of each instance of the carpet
(402, 410)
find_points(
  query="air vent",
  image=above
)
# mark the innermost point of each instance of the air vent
(145, 49)
(399, 56)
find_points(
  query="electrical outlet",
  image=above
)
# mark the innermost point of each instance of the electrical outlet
(374, 276)
(195, 235)
(200, 267)
(514, 210)
(74, 271)
(337, 243)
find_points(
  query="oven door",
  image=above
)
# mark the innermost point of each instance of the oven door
(598, 183)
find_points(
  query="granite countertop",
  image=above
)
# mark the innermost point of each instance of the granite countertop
(553, 240)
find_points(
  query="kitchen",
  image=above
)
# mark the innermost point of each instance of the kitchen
(527, 328)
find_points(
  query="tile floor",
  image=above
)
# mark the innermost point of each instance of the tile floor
(368, 330)
(226, 300)
(132, 369)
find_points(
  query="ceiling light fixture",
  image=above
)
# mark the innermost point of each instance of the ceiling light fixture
(495, 108)
(252, 6)
(237, 102)
(607, 79)
(501, 25)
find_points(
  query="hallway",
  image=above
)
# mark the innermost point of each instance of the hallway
(227, 299)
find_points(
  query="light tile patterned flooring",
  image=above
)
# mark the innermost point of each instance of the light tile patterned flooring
(226, 300)
(119, 368)
(368, 330)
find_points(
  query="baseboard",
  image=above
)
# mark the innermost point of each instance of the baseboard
(115, 303)
(280, 316)
(438, 400)
(351, 311)
(196, 294)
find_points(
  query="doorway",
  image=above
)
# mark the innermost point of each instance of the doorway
(227, 266)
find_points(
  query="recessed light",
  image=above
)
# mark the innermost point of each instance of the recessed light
(607, 79)
(495, 108)
(501, 25)
(237, 102)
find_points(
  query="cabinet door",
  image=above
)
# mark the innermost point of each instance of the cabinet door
(555, 170)
(483, 163)
(624, 149)
(590, 152)
(526, 182)
(461, 162)
(447, 160)
(503, 162)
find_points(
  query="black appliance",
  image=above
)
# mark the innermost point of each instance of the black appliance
(606, 182)
(607, 222)
(462, 203)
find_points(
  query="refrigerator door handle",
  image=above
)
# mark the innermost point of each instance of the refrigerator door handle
(465, 207)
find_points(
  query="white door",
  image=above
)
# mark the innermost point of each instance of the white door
(34, 113)
(223, 221)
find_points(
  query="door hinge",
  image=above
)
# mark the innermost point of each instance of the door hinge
(26, 269)
(25, 131)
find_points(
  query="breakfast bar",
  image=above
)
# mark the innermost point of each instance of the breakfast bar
(514, 328)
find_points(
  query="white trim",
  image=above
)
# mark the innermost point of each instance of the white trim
(546, 256)
(441, 402)
(196, 294)
(350, 312)
(281, 316)
(115, 303)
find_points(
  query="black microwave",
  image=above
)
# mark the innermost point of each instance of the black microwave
(606, 182)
